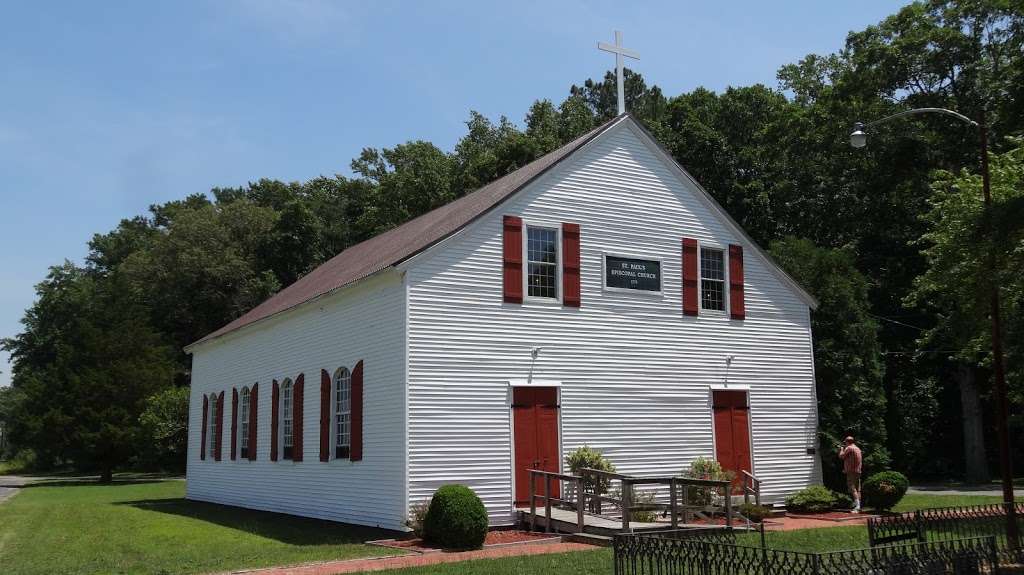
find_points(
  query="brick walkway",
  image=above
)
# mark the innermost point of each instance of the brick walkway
(382, 563)
(794, 522)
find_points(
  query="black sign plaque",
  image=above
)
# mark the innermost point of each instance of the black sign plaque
(632, 273)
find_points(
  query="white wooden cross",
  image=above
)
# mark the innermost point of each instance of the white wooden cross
(619, 52)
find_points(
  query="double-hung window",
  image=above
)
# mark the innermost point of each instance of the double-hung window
(542, 262)
(212, 435)
(712, 279)
(244, 417)
(342, 413)
(288, 439)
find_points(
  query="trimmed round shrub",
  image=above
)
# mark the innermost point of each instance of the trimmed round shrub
(814, 499)
(456, 519)
(884, 490)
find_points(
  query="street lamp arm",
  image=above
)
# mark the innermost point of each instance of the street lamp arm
(917, 111)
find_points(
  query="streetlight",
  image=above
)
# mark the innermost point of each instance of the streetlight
(859, 139)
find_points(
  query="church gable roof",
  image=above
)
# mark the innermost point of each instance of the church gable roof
(401, 243)
(409, 239)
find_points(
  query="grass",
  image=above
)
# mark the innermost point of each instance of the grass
(571, 563)
(141, 524)
(146, 526)
(915, 501)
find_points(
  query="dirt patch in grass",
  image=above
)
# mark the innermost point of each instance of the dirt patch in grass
(497, 538)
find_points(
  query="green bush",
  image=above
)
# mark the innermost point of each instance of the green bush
(814, 499)
(705, 468)
(843, 501)
(587, 457)
(753, 512)
(456, 519)
(644, 515)
(884, 490)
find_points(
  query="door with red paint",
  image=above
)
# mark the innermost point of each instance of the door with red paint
(535, 437)
(732, 431)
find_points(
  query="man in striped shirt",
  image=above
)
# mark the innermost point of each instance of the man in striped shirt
(852, 462)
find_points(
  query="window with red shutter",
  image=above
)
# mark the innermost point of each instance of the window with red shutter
(299, 401)
(737, 307)
(325, 415)
(220, 427)
(202, 434)
(275, 393)
(234, 422)
(571, 265)
(356, 450)
(253, 419)
(512, 253)
(690, 289)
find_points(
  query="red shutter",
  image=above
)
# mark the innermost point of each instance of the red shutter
(253, 418)
(298, 400)
(571, 265)
(275, 394)
(690, 290)
(512, 250)
(202, 441)
(356, 450)
(737, 308)
(325, 415)
(234, 422)
(220, 427)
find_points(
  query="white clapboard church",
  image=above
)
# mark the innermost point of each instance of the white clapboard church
(597, 296)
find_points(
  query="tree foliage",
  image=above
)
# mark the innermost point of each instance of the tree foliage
(777, 159)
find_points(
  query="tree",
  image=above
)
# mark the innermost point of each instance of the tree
(83, 366)
(847, 359)
(965, 250)
(164, 428)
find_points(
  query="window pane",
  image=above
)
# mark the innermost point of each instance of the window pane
(712, 274)
(286, 415)
(542, 262)
(244, 417)
(213, 423)
(342, 411)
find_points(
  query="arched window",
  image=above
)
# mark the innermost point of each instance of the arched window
(287, 436)
(212, 434)
(342, 413)
(244, 417)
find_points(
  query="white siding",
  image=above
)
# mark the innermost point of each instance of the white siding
(635, 372)
(365, 322)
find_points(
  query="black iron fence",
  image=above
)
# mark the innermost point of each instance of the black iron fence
(945, 523)
(715, 552)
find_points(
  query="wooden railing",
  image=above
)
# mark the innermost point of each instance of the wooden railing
(548, 477)
(680, 506)
(751, 486)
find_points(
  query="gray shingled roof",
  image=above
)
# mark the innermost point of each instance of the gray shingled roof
(399, 244)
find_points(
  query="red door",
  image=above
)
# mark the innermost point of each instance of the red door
(732, 431)
(535, 431)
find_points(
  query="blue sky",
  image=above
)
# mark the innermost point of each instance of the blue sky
(108, 107)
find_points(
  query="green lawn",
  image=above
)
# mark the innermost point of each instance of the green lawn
(147, 527)
(144, 525)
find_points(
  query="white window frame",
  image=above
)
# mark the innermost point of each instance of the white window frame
(286, 417)
(335, 413)
(211, 446)
(604, 274)
(245, 404)
(725, 278)
(557, 228)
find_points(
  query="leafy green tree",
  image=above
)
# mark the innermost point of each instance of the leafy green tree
(164, 428)
(84, 364)
(967, 250)
(847, 358)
